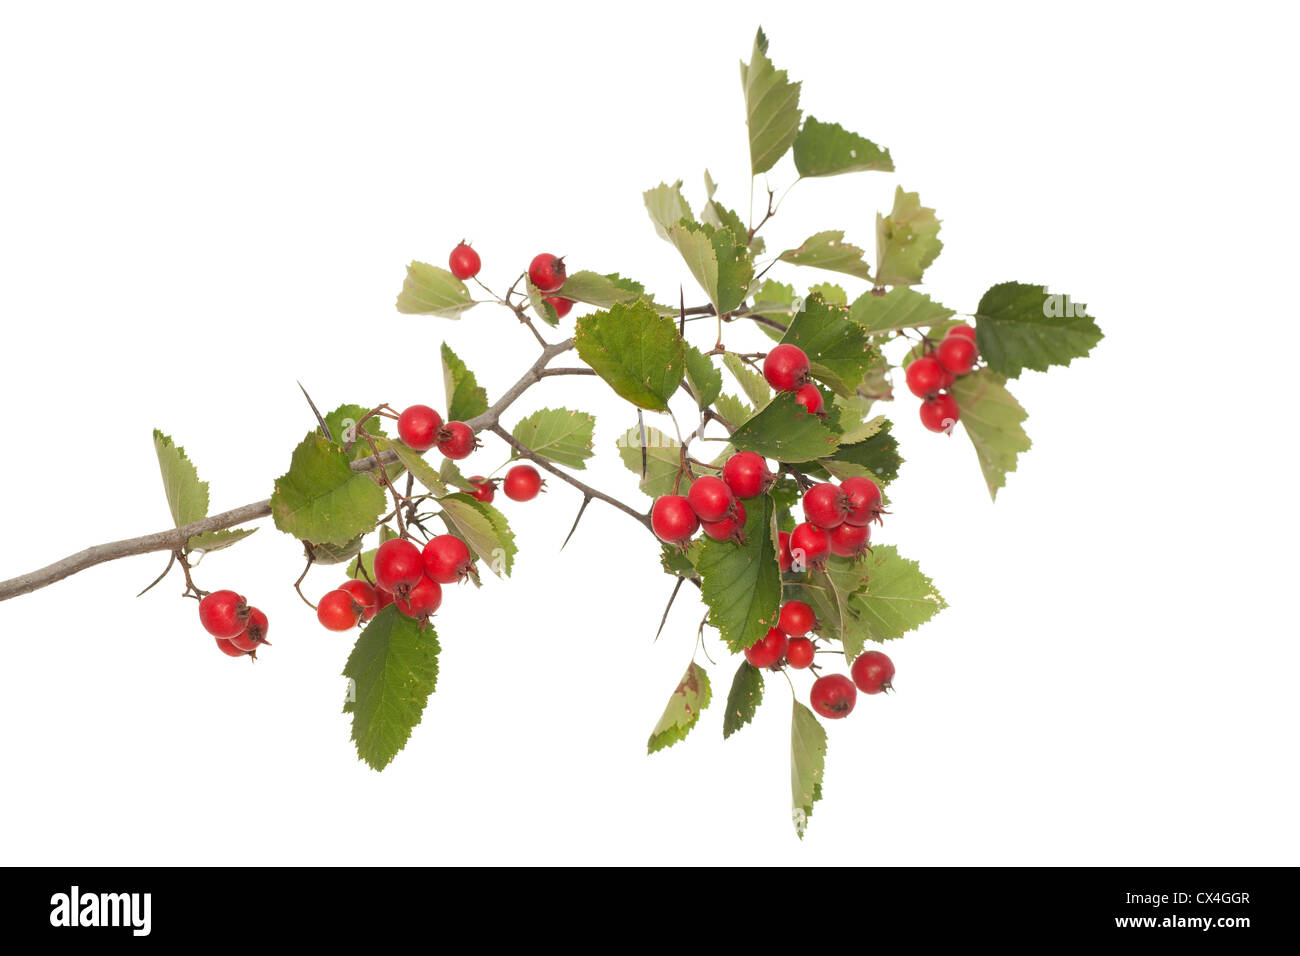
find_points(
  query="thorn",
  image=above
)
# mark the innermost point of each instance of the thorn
(170, 562)
(323, 427)
(663, 620)
(585, 501)
(681, 293)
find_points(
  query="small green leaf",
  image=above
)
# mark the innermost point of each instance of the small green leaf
(483, 528)
(320, 498)
(682, 563)
(807, 764)
(771, 108)
(465, 397)
(683, 711)
(741, 583)
(187, 497)
(733, 409)
(603, 291)
(336, 553)
(775, 300)
(838, 348)
(416, 464)
(719, 260)
(429, 290)
(636, 350)
(703, 376)
(667, 207)
(720, 217)
(392, 671)
(754, 385)
(342, 423)
(828, 149)
(898, 598)
(907, 241)
(830, 292)
(828, 250)
(662, 461)
(217, 540)
(559, 434)
(743, 700)
(784, 431)
(874, 457)
(1019, 326)
(994, 421)
(543, 309)
(900, 308)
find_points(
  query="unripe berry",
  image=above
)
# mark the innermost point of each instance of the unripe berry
(464, 261)
(522, 483)
(799, 652)
(864, 500)
(447, 559)
(339, 611)
(418, 427)
(730, 528)
(561, 305)
(547, 273)
(924, 376)
(710, 498)
(850, 540)
(398, 566)
(940, 413)
(254, 634)
(873, 672)
(456, 440)
(786, 367)
(956, 354)
(810, 397)
(825, 505)
(796, 618)
(746, 474)
(421, 600)
(673, 519)
(833, 696)
(364, 595)
(768, 651)
(223, 614)
(809, 546)
(484, 489)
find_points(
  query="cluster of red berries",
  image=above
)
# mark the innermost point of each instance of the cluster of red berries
(833, 695)
(712, 503)
(929, 376)
(787, 369)
(521, 483)
(422, 428)
(837, 520)
(546, 272)
(238, 628)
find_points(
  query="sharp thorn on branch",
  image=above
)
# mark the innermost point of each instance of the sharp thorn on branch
(325, 429)
(156, 581)
(673, 597)
(586, 500)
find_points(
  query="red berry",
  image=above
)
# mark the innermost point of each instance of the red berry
(422, 600)
(730, 528)
(746, 474)
(223, 614)
(786, 368)
(418, 426)
(484, 489)
(960, 331)
(382, 599)
(456, 440)
(255, 633)
(850, 540)
(710, 498)
(799, 652)
(809, 546)
(522, 483)
(796, 619)
(447, 559)
(810, 397)
(673, 519)
(948, 379)
(924, 376)
(784, 558)
(398, 566)
(768, 651)
(226, 647)
(547, 273)
(864, 500)
(872, 672)
(561, 305)
(825, 505)
(339, 611)
(939, 413)
(956, 355)
(464, 261)
(364, 595)
(833, 696)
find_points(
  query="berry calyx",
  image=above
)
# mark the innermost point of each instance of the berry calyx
(786, 368)
(796, 618)
(746, 474)
(421, 600)
(547, 273)
(768, 651)
(223, 614)
(226, 647)
(484, 488)
(864, 500)
(960, 331)
(464, 261)
(873, 672)
(522, 483)
(924, 376)
(956, 354)
(339, 611)
(810, 397)
(418, 427)
(799, 652)
(833, 696)
(561, 305)
(456, 440)
(710, 498)
(825, 505)
(783, 556)
(364, 595)
(447, 559)
(255, 634)
(940, 413)
(850, 540)
(398, 566)
(730, 528)
(673, 520)
(809, 546)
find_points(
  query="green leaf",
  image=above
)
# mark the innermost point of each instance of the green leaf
(559, 434)
(828, 250)
(830, 593)
(1019, 326)
(603, 291)
(320, 498)
(662, 461)
(743, 700)
(855, 423)
(683, 711)
(874, 457)
(838, 348)
(807, 764)
(771, 108)
(667, 207)
(720, 217)
(775, 300)
(451, 475)
(187, 497)
(342, 423)
(636, 350)
(898, 598)
(484, 529)
(899, 308)
(784, 431)
(392, 669)
(733, 409)
(217, 540)
(719, 260)
(703, 376)
(994, 421)
(682, 563)
(336, 553)
(907, 241)
(543, 309)
(465, 397)
(429, 290)
(828, 149)
(741, 583)
(830, 292)
(754, 385)
(416, 464)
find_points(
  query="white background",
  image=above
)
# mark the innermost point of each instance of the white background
(198, 209)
